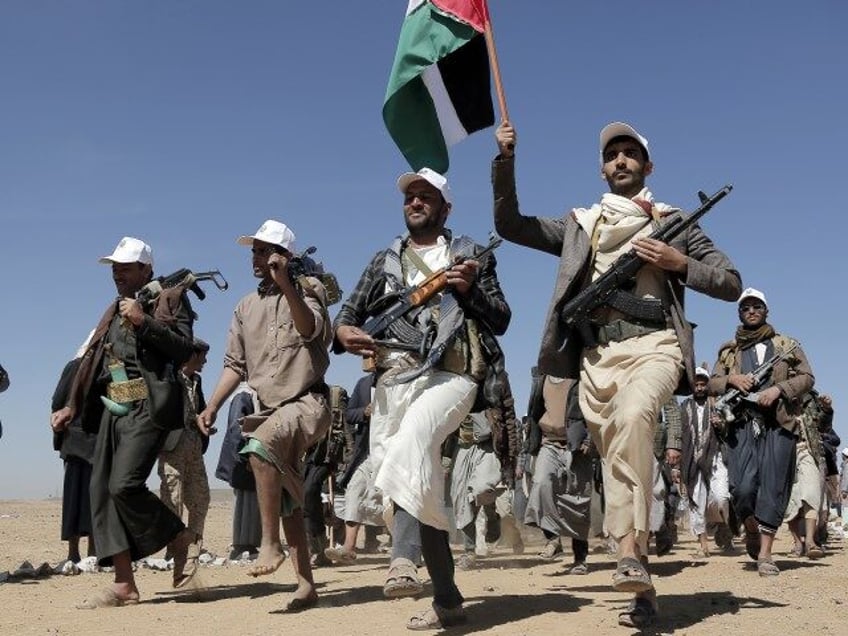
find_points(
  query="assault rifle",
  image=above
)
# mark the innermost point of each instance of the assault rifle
(576, 312)
(302, 265)
(420, 294)
(184, 278)
(729, 402)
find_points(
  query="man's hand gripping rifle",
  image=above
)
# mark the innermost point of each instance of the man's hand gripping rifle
(728, 404)
(184, 278)
(416, 296)
(577, 312)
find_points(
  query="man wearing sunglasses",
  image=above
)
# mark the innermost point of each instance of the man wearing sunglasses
(760, 442)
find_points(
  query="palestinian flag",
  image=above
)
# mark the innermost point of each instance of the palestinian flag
(439, 89)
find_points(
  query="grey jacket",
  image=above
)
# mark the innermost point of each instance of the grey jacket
(709, 271)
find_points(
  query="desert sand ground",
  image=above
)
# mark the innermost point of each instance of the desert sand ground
(507, 594)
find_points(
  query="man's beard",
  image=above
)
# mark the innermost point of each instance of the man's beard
(421, 227)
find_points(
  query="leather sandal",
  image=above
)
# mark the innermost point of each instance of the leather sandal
(815, 552)
(402, 580)
(767, 567)
(578, 568)
(641, 613)
(340, 555)
(437, 617)
(631, 576)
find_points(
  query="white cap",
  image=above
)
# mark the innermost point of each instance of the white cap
(750, 292)
(701, 371)
(620, 129)
(272, 232)
(130, 250)
(430, 176)
(845, 452)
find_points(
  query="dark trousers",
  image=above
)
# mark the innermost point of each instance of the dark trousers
(313, 508)
(76, 499)
(493, 528)
(125, 514)
(579, 547)
(435, 547)
(760, 472)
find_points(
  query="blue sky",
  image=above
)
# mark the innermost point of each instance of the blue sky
(187, 123)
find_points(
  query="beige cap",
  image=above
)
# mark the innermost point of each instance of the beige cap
(620, 129)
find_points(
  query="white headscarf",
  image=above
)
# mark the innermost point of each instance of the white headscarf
(623, 217)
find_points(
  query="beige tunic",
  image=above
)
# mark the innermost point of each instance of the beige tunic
(623, 386)
(265, 348)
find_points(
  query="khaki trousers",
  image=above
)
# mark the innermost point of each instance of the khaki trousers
(183, 481)
(623, 385)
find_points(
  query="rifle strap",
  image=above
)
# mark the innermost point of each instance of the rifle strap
(411, 256)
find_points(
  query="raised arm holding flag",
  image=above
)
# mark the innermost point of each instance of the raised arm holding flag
(439, 89)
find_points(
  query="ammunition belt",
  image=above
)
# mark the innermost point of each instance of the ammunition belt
(620, 330)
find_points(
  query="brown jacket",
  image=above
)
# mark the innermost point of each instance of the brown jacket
(164, 343)
(792, 375)
(709, 271)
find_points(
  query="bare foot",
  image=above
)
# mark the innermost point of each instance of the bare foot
(117, 596)
(268, 561)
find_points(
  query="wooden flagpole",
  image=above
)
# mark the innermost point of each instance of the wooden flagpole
(493, 61)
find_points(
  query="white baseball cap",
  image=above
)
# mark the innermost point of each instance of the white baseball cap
(130, 250)
(432, 177)
(702, 372)
(845, 452)
(272, 232)
(750, 292)
(620, 129)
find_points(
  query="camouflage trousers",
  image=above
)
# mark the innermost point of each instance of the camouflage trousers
(184, 482)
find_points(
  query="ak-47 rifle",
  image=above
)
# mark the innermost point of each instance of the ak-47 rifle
(184, 278)
(303, 265)
(576, 312)
(729, 402)
(420, 294)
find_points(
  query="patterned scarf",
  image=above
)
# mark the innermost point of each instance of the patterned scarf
(749, 337)
(622, 217)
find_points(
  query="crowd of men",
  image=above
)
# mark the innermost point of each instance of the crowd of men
(604, 448)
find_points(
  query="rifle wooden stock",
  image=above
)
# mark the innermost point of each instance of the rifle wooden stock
(420, 294)
(428, 288)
